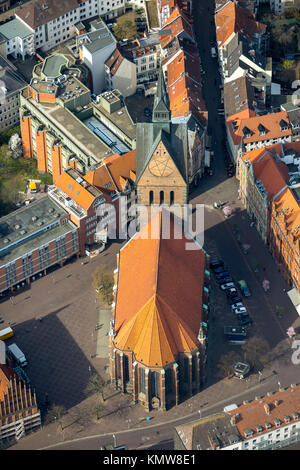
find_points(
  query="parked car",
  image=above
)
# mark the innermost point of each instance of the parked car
(237, 305)
(227, 285)
(239, 311)
(216, 263)
(231, 292)
(224, 280)
(222, 275)
(233, 300)
(219, 270)
(244, 288)
(245, 320)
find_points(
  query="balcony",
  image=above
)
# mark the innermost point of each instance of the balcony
(65, 201)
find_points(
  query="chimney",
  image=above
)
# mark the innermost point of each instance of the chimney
(276, 402)
(233, 419)
(267, 408)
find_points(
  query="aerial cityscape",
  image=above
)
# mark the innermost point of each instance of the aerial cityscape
(149, 227)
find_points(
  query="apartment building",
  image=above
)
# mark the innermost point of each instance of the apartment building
(238, 33)
(120, 74)
(11, 83)
(269, 188)
(263, 177)
(145, 54)
(33, 238)
(158, 332)
(95, 47)
(19, 413)
(166, 7)
(19, 39)
(248, 133)
(267, 422)
(93, 200)
(54, 22)
(294, 118)
(62, 127)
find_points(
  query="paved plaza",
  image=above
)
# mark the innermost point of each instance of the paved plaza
(54, 324)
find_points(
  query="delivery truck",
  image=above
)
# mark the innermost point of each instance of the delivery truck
(15, 352)
(6, 333)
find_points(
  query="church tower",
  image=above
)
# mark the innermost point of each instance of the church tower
(161, 114)
(161, 158)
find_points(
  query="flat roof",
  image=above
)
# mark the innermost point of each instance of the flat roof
(97, 39)
(121, 119)
(53, 64)
(15, 28)
(27, 220)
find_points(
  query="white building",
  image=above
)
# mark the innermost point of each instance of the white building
(120, 74)
(19, 38)
(95, 48)
(53, 22)
(265, 423)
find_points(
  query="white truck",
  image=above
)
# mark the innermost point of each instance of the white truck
(213, 52)
(15, 352)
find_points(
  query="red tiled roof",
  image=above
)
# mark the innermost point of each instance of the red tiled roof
(176, 24)
(233, 19)
(266, 409)
(114, 61)
(159, 297)
(270, 121)
(184, 86)
(107, 176)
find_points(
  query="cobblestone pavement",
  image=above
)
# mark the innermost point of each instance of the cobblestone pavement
(54, 324)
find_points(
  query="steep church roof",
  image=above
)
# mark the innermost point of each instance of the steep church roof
(159, 297)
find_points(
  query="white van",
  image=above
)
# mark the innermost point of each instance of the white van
(16, 353)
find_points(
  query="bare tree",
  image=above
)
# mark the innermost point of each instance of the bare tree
(226, 363)
(256, 351)
(97, 385)
(56, 413)
(103, 283)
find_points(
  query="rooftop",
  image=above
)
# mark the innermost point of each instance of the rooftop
(40, 12)
(97, 39)
(15, 28)
(29, 227)
(158, 314)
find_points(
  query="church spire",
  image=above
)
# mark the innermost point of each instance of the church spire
(161, 107)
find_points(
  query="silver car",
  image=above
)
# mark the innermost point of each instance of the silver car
(240, 311)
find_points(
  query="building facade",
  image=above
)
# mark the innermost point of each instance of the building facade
(19, 413)
(62, 127)
(267, 422)
(34, 238)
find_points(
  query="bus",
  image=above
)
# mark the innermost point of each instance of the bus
(6, 333)
(235, 334)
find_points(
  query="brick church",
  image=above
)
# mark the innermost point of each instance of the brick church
(167, 154)
(160, 317)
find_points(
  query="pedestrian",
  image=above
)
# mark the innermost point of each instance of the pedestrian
(284, 291)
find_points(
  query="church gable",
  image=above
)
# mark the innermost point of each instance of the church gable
(161, 169)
